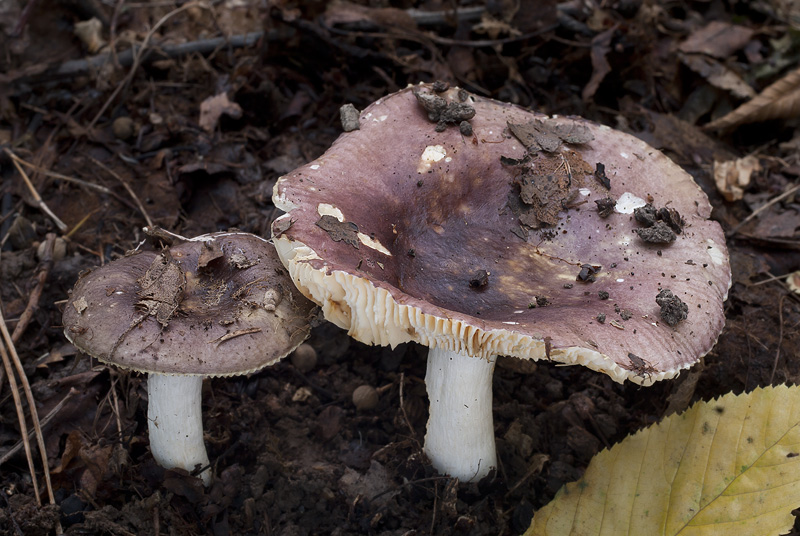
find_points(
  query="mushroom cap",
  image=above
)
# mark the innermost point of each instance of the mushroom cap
(217, 305)
(404, 233)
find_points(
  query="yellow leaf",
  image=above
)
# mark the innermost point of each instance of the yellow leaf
(726, 467)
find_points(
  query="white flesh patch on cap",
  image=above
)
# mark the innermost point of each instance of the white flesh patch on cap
(279, 197)
(324, 209)
(628, 202)
(372, 243)
(431, 155)
(716, 254)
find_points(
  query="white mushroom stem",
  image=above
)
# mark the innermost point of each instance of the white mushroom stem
(175, 422)
(460, 437)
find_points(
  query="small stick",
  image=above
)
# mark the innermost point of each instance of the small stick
(43, 73)
(762, 208)
(21, 417)
(770, 279)
(41, 278)
(128, 188)
(46, 421)
(65, 178)
(403, 406)
(780, 338)
(138, 58)
(26, 387)
(42, 206)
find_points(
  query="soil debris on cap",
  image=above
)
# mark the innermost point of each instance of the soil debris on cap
(539, 135)
(601, 318)
(660, 226)
(659, 233)
(605, 206)
(339, 231)
(539, 193)
(348, 115)
(672, 218)
(440, 86)
(444, 112)
(239, 260)
(161, 289)
(600, 175)
(588, 273)
(506, 161)
(479, 279)
(646, 215)
(640, 366)
(673, 309)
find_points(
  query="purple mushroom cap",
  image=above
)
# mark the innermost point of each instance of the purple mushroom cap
(492, 239)
(217, 305)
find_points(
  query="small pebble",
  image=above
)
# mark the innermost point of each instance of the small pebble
(304, 358)
(349, 118)
(123, 128)
(365, 397)
(59, 249)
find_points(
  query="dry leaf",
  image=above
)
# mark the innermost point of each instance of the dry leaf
(601, 46)
(729, 466)
(718, 75)
(779, 100)
(733, 176)
(718, 39)
(214, 107)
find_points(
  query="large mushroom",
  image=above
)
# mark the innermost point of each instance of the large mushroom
(480, 229)
(216, 305)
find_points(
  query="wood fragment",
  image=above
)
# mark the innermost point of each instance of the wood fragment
(229, 336)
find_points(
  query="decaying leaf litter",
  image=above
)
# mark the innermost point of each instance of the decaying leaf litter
(292, 453)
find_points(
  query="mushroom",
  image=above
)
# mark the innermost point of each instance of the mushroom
(216, 305)
(488, 240)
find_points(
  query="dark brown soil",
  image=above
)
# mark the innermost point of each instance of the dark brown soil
(291, 454)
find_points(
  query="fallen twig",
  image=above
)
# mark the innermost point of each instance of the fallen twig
(43, 73)
(39, 202)
(127, 188)
(45, 266)
(12, 381)
(137, 59)
(26, 387)
(762, 208)
(65, 178)
(53, 412)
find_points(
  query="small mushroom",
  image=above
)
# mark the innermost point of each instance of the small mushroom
(204, 307)
(494, 204)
